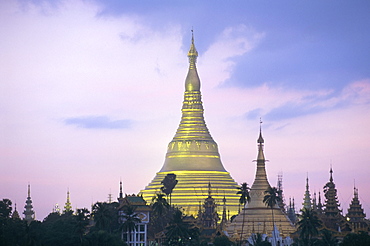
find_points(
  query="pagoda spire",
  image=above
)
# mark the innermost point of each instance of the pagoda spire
(307, 196)
(314, 201)
(15, 214)
(332, 218)
(224, 216)
(192, 155)
(256, 209)
(260, 184)
(29, 214)
(331, 174)
(260, 142)
(192, 147)
(356, 213)
(193, 53)
(120, 190)
(68, 204)
(209, 189)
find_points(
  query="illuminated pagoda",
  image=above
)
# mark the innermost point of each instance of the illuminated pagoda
(193, 155)
(256, 215)
(68, 204)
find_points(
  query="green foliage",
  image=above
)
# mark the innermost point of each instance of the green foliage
(327, 238)
(5, 208)
(105, 216)
(160, 216)
(129, 218)
(244, 198)
(271, 197)
(65, 229)
(308, 226)
(169, 182)
(103, 238)
(360, 239)
(12, 232)
(222, 241)
(159, 204)
(179, 232)
(59, 230)
(244, 193)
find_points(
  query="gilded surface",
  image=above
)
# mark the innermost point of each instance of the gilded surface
(193, 155)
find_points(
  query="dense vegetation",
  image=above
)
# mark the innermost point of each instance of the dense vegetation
(100, 227)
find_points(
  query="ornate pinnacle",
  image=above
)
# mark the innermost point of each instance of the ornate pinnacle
(193, 53)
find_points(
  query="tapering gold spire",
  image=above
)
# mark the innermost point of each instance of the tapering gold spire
(192, 139)
(68, 204)
(193, 53)
(193, 155)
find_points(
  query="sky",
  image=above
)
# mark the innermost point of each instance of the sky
(91, 93)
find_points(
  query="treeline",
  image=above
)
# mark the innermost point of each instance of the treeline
(66, 228)
(101, 227)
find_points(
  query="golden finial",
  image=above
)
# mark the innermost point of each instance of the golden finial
(193, 53)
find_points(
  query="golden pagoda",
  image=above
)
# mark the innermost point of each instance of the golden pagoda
(256, 215)
(193, 156)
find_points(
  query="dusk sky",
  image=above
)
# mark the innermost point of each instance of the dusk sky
(91, 93)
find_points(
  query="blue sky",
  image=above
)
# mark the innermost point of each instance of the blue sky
(91, 92)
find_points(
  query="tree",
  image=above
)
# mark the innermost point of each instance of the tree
(58, 230)
(160, 204)
(271, 198)
(327, 238)
(103, 238)
(358, 239)
(169, 182)
(180, 232)
(160, 215)
(105, 216)
(308, 226)
(130, 220)
(82, 217)
(222, 241)
(5, 208)
(244, 198)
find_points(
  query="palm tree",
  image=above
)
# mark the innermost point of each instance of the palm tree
(169, 182)
(82, 217)
(271, 198)
(327, 238)
(160, 204)
(160, 215)
(244, 198)
(308, 225)
(103, 215)
(130, 220)
(180, 232)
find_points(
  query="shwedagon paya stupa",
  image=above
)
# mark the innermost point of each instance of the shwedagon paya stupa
(193, 156)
